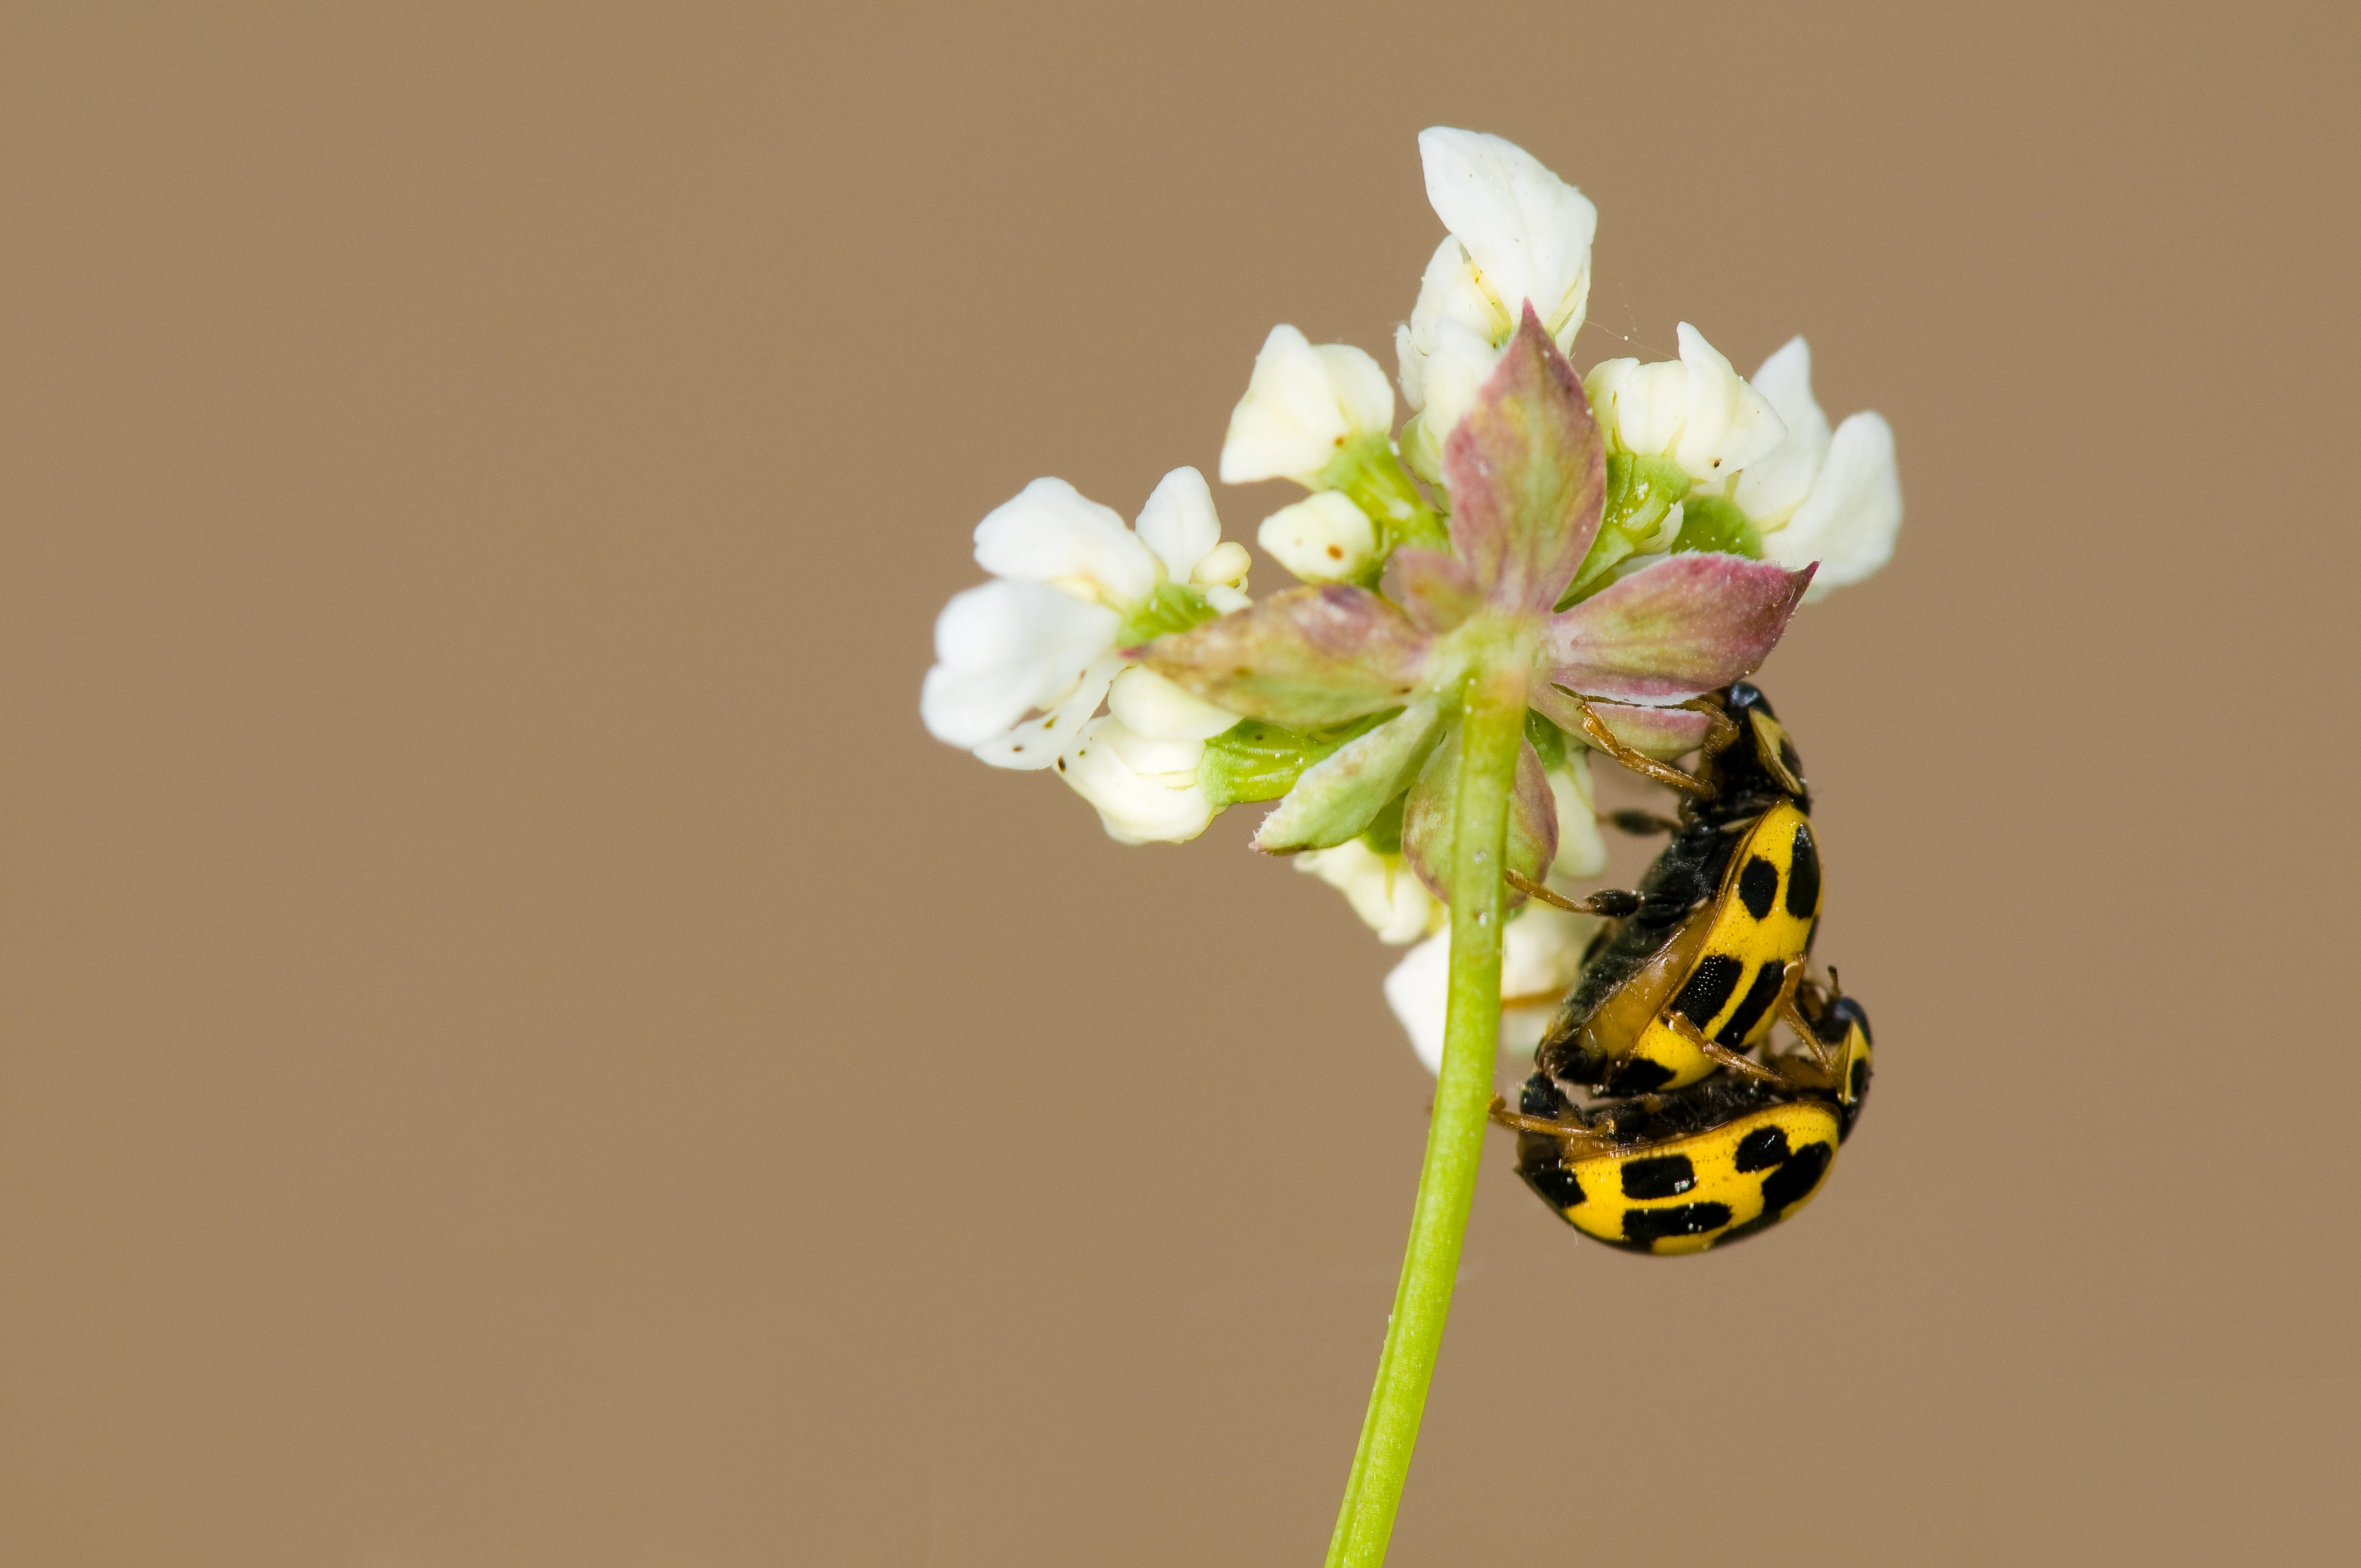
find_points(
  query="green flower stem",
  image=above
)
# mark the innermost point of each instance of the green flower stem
(1494, 716)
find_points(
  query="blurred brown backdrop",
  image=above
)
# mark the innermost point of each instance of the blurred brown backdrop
(519, 1051)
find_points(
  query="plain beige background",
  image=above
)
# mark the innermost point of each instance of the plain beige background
(518, 1050)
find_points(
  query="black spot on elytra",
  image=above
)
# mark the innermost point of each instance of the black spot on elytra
(1556, 1185)
(1637, 1076)
(1708, 989)
(1687, 1220)
(1758, 998)
(1763, 1148)
(1659, 1176)
(1758, 886)
(1804, 880)
(1860, 1085)
(1793, 1182)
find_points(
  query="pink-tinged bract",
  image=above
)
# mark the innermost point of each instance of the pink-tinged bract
(1527, 471)
(1305, 658)
(1682, 627)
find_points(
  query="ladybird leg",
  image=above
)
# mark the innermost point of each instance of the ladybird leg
(1678, 1023)
(1613, 902)
(1640, 823)
(1601, 738)
(1519, 1122)
(1785, 1009)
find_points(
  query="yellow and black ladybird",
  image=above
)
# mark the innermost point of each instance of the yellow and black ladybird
(1689, 976)
(1669, 1174)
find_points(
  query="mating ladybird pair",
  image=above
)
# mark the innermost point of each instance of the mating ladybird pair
(1697, 1139)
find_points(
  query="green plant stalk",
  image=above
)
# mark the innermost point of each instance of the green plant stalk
(1494, 715)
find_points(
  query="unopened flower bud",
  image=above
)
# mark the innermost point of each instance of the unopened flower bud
(1224, 565)
(1325, 539)
(1304, 405)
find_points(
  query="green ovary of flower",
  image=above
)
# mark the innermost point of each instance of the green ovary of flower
(1641, 492)
(1715, 523)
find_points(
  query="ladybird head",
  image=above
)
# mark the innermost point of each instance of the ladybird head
(1753, 764)
(1743, 697)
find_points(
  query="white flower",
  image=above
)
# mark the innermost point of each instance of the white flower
(1814, 496)
(1519, 234)
(1323, 539)
(1541, 958)
(1303, 406)
(1042, 638)
(1382, 889)
(1834, 498)
(1695, 411)
(1137, 763)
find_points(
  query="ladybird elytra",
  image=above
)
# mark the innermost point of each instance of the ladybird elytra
(1731, 901)
(1685, 1194)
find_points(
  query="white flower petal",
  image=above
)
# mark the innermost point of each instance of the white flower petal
(1646, 405)
(1771, 487)
(1455, 374)
(1288, 424)
(1154, 757)
(1149, 705)
(1849, 523)
(1418, 990)
(1179, 523)
(1135, 807)
(1728, 424)
(1581, 852)
(966, 707)
(1599, 387)
(1005, 648)
(1051, 533)
(1228, 598)
(1324, 539)
(1362, 391)
(1541, 958)
(1449, 291)
(1037, 742)
(1528, 231)
(1382, 889)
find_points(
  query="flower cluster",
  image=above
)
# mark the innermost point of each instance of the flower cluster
(1624, 541)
